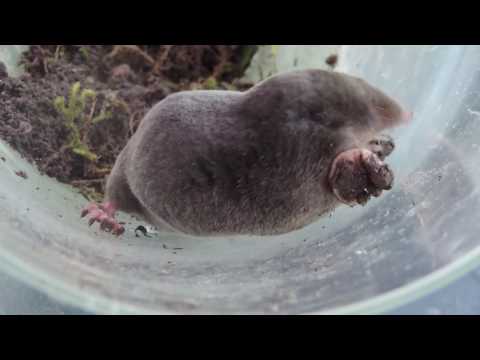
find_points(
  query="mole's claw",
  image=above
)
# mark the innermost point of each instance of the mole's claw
(84, 213)
(91, 221)
(380, 173)
(382, 146)
(108, 224)
(104, 224)
(119, 231)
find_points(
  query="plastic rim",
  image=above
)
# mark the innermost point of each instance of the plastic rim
(379, 304)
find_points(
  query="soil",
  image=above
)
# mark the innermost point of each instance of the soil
(126, 80)
(332, 60)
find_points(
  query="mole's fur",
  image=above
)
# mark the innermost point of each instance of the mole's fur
(267, 161)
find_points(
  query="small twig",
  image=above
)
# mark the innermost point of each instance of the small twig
(92, 171)
(160, 65)
(44, 60)
(219, 68)
(122, 52)
(45, 65)
(102, 172)
(131, 122)
(130, 125)
(88, 181)
(57, 52)
(88, 122)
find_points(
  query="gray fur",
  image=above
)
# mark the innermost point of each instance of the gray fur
(224, 162)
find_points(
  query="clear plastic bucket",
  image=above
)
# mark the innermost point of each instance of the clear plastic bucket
(414, 239)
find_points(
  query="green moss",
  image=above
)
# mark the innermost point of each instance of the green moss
(85, 53)
(73, 111)
(210, 84)
(104, 115)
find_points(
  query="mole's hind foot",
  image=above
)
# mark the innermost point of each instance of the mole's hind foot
(358, 174)
(105, 215)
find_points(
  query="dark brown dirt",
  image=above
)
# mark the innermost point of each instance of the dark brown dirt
(332, 60)
(127, 79)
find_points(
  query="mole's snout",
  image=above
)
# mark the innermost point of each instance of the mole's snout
(406, 117)
(395, 118)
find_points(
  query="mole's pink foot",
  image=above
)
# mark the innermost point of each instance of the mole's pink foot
(358, 174)
(105, 215)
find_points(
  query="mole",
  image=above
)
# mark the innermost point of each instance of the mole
(266, 161)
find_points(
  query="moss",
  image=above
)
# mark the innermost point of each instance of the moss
(73, 111)
(210, 84)
(85, 53)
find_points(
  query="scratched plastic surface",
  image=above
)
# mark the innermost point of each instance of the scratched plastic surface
(412, 240)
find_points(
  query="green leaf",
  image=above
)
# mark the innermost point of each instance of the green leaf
(83, 151)
(211, 83)
(104, 115)
(87, 93)
(59, 104)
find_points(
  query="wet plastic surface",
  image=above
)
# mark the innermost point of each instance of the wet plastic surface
(358, 256)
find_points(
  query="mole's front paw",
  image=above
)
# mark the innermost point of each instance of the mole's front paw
(382, 146)
(105, 215)
(358, 174)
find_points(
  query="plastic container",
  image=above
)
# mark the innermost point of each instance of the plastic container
(414, 239)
